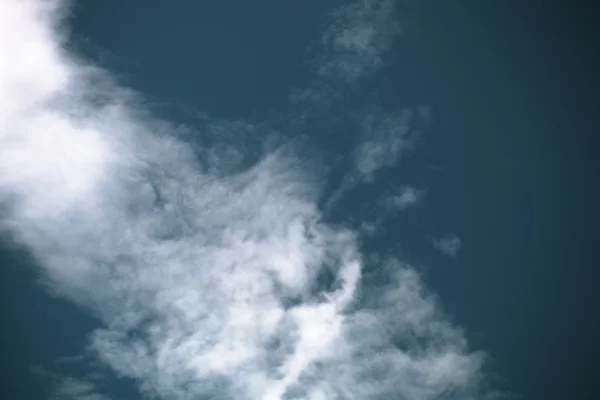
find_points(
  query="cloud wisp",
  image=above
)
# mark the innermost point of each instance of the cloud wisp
(224, 285)
(359, 34)
(407, 196)
(449, 244)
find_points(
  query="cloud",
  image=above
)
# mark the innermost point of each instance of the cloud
(68, 388)
(406, 197)
(359, 34)
(351, 49)
(77, 390)
(449, 244)
(386, 138)
(207, 281)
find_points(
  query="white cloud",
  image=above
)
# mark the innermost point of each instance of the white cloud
(205, 283)
(449, 244)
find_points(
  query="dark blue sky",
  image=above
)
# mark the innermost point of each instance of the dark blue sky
(514, 91)
(506, 160)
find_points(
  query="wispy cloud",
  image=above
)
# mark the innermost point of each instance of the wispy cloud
(207, 281)
(448, 244)
(352, 48)
(405, 197)
(73, 389)
(359, 35)
(68, 388)
(386, 138)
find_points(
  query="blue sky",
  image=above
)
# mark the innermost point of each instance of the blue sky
(311, 200)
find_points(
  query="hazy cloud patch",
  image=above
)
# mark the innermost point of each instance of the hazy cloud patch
(359, 34)
(449, 244)
(405, 197)
(69, 388)
(73, 389)
(386, 139)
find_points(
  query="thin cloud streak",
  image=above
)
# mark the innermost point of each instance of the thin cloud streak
(68, 388)
(385, 139)
(205, 283)
(402, 198)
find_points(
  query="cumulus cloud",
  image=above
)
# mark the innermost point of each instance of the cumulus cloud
(224, 283)
(448, 244)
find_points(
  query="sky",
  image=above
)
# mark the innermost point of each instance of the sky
(315, 200)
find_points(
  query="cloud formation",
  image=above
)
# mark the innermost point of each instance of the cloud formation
(386, 138)
(208, 281)
(68, 388)
(359, 34)
(448, 244)
(407, 196)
